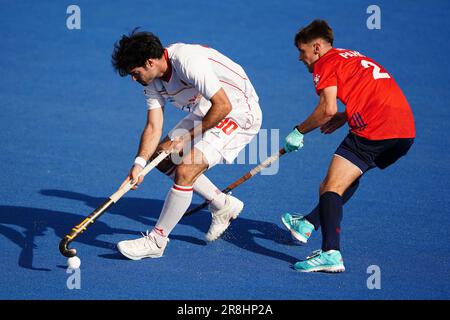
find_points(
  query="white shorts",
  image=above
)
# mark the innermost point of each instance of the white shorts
(223, 142)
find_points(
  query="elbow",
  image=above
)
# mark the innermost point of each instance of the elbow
(157, 133)
(153, 130)
(330, 111)
(227, 109)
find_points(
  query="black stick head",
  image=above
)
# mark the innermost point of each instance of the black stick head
(65, 251)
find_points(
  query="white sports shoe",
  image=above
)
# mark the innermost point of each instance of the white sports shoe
(221, 218)
(149, 246)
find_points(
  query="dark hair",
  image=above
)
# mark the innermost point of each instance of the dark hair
(316, 29)
(133, 50)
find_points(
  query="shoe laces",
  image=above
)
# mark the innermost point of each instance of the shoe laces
(221, 217)
(295, 219)
(148, 239)
(314, 254)
(218, 219)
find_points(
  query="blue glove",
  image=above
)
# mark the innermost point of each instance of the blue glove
(293, 141)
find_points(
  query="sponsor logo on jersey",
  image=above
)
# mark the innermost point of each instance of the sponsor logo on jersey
(316, 79)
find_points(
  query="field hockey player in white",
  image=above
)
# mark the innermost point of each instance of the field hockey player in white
(223, 117)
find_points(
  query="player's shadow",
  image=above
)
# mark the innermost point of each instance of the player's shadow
(242, 233)
(144, 211)
(22, 225)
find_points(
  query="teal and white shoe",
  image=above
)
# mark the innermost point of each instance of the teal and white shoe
(300, 228)
(328, 261)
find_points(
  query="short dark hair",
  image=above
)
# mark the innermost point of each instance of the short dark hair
(134, 50)
(316, 29)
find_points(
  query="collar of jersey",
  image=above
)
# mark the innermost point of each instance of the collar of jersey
(324, 57)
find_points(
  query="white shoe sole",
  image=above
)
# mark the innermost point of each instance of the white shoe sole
(294, 234)
(335, 269)
(237, 210)
(135, 258)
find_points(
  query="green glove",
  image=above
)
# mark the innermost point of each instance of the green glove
(293, 141)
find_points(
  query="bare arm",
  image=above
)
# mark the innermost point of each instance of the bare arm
(152, 133)
(220, 107)
(338, 120)
(324, 111)
(149, 141)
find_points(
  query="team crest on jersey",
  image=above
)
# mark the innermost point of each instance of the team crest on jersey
(316, 79)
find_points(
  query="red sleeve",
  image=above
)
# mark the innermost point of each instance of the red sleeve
(324, 76)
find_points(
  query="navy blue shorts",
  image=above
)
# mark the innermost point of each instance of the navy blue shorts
(367, 154)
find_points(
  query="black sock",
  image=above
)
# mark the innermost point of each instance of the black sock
(330, 208)
(314, 217)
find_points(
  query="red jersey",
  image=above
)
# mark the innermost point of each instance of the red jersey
(375, 105)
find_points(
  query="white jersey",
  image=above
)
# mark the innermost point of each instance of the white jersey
(195, 74)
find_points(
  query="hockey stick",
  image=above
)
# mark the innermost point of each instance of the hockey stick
(81, 227)
(242, 179)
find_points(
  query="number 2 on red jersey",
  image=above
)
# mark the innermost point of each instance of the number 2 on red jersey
(376, 70)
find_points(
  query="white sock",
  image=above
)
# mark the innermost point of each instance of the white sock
(205, 188)
(177, 201)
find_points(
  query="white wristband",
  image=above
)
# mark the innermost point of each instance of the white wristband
(140, 162)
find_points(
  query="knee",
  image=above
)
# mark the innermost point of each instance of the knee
(184, 175)
(322, 188)
(326, 186)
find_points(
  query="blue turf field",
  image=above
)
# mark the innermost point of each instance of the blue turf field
(70, 129)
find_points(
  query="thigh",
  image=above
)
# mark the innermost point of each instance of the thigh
(186, 124)
(363, 152)
(191, 167)
(214, 141)
(341, 174)
(224, 142)
(391, 155)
